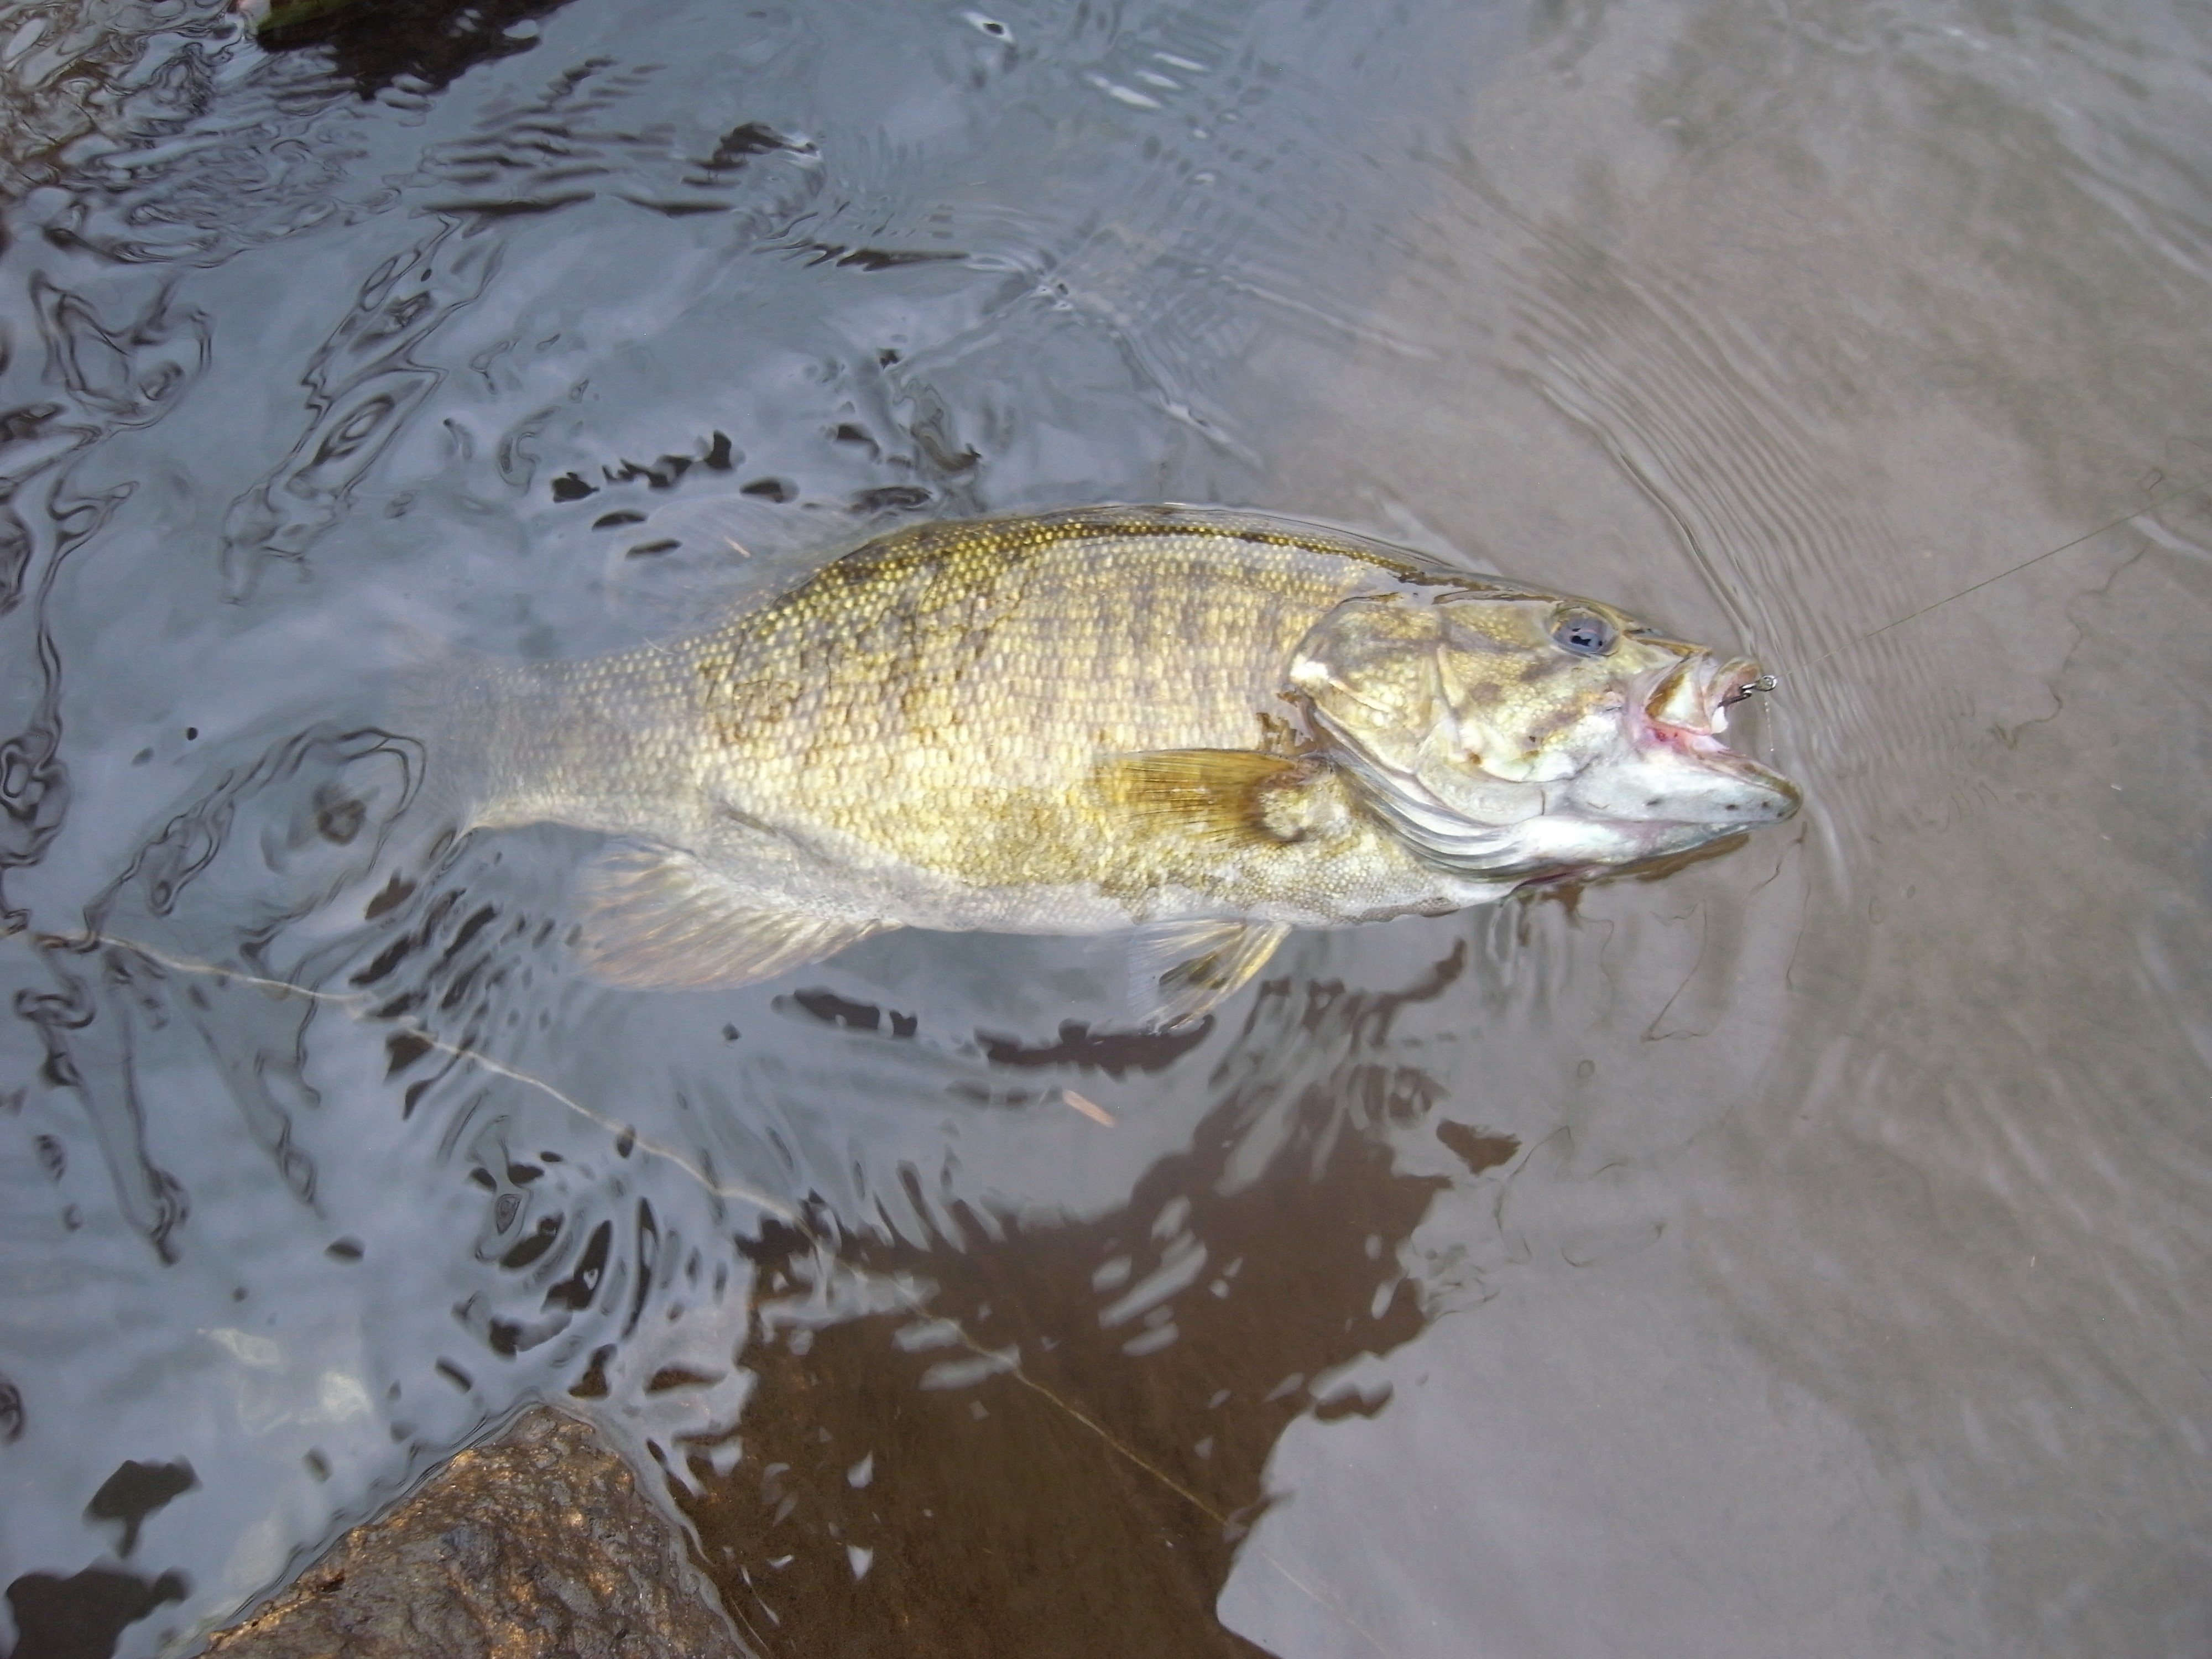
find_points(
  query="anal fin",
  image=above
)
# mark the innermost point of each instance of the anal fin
(655, 918)
(1179, 971)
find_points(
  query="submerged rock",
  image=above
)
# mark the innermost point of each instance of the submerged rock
(537, 1543)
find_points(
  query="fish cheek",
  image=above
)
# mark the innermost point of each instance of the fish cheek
(1482, 726)
(1511, 713)
(1469, 789)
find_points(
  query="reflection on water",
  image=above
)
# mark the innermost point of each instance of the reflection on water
(1054, 1441)
(1791, 1254)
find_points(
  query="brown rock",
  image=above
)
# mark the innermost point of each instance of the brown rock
(539, 1543)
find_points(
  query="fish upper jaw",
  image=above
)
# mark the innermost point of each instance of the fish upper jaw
(1689, 705)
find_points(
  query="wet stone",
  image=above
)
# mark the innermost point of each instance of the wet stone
(539, 1543)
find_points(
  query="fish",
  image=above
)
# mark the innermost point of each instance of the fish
(1202, 726)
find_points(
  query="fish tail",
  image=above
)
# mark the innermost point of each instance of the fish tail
(440, 696)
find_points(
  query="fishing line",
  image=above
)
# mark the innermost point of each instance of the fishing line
(1769, 681)
(355, 1006)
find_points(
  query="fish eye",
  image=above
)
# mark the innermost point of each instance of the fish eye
(1583, 633)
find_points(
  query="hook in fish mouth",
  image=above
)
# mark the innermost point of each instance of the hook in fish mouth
(1688, 706)
(1765, 682)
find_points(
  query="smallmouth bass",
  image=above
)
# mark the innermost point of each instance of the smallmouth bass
(1208, 726)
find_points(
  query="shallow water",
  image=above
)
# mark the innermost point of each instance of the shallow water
(1796, 1255)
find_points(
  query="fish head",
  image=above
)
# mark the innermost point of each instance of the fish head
(1526, 735)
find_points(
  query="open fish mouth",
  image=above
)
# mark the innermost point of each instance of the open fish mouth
(1687, 711)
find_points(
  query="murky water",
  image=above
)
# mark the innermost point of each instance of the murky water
(1801, 1254)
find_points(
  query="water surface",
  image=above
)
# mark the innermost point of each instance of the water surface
(1795, 1254)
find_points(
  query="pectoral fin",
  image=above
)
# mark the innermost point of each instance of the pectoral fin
(1220, 793)
(1180, 970)
(655, 918)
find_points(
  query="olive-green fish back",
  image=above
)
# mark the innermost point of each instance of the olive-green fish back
(954, 682)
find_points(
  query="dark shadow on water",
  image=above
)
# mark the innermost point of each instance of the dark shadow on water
(135, 1491)
(1062, 1455)
(83, 1615)
(432, 41)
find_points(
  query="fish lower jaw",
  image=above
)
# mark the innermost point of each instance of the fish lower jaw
(1669, 773)
(1651, 801)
